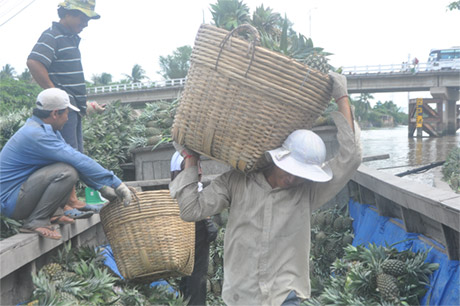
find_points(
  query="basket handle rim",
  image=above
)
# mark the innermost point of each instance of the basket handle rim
(252, 45)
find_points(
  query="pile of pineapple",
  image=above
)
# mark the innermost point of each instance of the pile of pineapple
(331, 231)
(376, 275)
(154, 124)
(79, 277)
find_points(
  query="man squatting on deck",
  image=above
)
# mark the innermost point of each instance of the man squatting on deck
(267, 239)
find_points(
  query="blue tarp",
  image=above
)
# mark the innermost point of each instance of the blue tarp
(110, 262)
(369, 227)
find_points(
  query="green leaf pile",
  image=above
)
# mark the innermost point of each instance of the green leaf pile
(451, 169)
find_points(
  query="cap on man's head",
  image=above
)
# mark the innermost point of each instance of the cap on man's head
(84, 6)
(303, 154)
(54, 99)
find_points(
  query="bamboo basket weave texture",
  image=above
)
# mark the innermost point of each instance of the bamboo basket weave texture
(241, 99)
(148, 238)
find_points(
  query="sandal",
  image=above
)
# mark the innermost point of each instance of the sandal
(62, 220)
(77, 214)
(45, 232)
(96, 208)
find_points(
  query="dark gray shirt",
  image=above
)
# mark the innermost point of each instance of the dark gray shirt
(57, 49)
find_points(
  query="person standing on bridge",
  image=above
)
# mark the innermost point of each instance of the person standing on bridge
(267, 239)
(55, 61)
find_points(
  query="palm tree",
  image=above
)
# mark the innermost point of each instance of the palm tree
(137, 74)
(362, 106)
(228, 14)
(7, 72)
(26, 76)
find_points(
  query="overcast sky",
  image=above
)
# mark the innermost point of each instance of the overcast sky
(357, 32)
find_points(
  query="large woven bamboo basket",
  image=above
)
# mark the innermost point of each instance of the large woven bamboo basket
(148, 238)
(241, 99)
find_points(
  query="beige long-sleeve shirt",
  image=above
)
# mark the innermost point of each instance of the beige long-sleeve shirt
(267, 239)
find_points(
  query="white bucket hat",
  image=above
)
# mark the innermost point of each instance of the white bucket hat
(303, 154)
(54, 99)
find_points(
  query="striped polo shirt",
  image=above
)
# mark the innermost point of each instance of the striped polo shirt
(57, 49)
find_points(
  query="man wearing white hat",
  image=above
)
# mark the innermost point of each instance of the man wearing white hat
(267, 239)
(55, 61)
(38, 169)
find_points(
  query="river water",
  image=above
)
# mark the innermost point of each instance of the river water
(406, 153)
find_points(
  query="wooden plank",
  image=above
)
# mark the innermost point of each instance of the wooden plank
(21, 249)
(386, 207)
(375, 157)
(429, 201)
(452, 239)
(412, 221)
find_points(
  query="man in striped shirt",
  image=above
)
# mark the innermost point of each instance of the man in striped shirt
(55, 61)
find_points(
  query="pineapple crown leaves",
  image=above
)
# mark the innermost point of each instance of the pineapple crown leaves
(229, 14)
(265, 20)
(65, 255)
(90, 254)
(8, 227)
(73, 285)
(45, 290)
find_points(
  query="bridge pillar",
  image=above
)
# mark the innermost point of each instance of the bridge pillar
(449, 97)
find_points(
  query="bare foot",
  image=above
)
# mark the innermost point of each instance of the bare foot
(45, 232)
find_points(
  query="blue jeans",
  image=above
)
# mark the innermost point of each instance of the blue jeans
(291, 300)
(72, 131)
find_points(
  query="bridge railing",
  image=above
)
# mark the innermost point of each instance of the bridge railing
(135, 86)
(391, 68)
(348, 70)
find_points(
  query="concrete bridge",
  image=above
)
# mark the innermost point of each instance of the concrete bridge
(443, 85)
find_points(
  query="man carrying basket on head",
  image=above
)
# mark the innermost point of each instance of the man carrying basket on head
(267, 239)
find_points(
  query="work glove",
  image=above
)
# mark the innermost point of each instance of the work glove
(184, 152)
(124, 193)
(108, 193)
(339, 86)
(121, 191)
(211, 230)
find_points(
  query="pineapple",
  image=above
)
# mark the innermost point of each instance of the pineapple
(317, 61)
(347, 239)
(65, 298)
(394, 267)
(52, 269)
(338, 223)
(62, 275)
(388, 287)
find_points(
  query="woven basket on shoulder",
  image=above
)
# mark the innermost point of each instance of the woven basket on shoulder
(148, 238)
(241, 99)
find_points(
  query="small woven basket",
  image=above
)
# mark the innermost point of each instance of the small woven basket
(148, 238)
(241, 99)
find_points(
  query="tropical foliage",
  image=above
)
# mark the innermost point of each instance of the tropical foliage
(137, 74)
(454, 6)
(368, 116)
(176, 66)
(7, 72)
(276, 33)
(101, 79)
